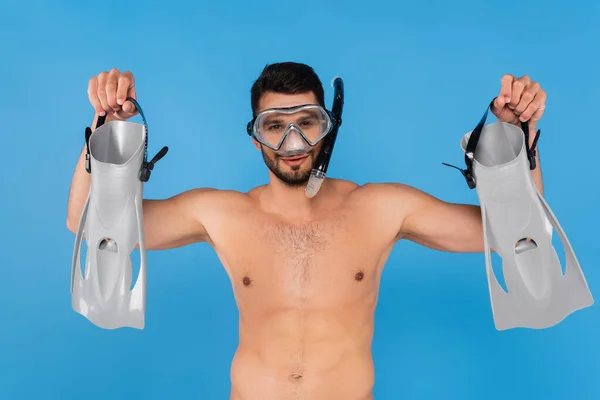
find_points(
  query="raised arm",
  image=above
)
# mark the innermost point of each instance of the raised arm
(429, 221)
(440, 225)
(458, 227)
(168, 223)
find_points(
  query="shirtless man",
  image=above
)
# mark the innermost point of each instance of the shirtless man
(305, 271)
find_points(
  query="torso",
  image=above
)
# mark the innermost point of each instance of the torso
(306, 293)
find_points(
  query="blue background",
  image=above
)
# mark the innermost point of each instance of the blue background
(418, 76)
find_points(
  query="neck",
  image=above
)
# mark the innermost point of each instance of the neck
(292, 202)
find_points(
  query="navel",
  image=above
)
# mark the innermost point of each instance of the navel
(246, 281)
(295, 377)
(359, 276)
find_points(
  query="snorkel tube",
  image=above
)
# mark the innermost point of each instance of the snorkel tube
(319, 172)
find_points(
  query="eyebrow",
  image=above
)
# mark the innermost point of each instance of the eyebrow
(302, 115)
(269, 121)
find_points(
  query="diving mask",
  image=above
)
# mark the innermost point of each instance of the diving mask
(291, 130)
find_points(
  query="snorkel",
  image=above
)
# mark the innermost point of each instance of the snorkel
(319, 172)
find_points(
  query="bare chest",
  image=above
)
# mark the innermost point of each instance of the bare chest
(319, 264)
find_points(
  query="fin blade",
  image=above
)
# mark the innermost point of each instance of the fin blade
(78, 240)
(573, 268)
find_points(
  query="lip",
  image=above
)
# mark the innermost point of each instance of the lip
(294, 161)
(295, 158)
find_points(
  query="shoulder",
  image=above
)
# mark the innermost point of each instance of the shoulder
(392, 199)
(386, 191)
(371, 194)
(343, 186)
(212, 199)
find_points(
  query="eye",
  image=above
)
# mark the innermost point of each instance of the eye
(308, 122)
(273, 127)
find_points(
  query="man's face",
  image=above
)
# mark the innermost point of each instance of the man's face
(293, 171)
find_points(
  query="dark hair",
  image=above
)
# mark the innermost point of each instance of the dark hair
(286, 78)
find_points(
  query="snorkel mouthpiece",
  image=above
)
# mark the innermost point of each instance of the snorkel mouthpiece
(318, 173)
(314, 182)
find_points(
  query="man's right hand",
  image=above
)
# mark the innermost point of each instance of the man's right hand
(108, 91)
(168, 223)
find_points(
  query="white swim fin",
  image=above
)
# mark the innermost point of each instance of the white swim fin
(112, 223)
(518, 225)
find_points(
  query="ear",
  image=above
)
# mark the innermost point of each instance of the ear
(256, 143)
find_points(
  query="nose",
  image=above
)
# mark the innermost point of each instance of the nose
(294, 141)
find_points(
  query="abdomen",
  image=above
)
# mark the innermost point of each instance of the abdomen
(330, 373)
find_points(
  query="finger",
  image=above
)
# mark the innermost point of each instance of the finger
(535, 110)
(102, 78)
(125, 83)
(518, 86)
(505, 90)
(128, 106)
(111, 89)
(538, 114)
(132, 93)
(527, 97)
(93, 96)
(499, 103)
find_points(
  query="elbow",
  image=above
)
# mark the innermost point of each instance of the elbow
(72, 224)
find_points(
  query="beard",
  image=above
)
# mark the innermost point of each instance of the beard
(295, 178)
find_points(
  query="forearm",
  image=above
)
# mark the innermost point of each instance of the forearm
(80, 186)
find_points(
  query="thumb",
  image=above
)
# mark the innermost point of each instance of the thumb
(127, 111)
(129, 108)
(498, 104)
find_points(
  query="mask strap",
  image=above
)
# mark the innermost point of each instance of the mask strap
(474, 140)
(147, 167)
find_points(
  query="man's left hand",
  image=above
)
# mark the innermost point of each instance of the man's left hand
(520, 100)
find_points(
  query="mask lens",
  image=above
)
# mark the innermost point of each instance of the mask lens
(271, 125)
